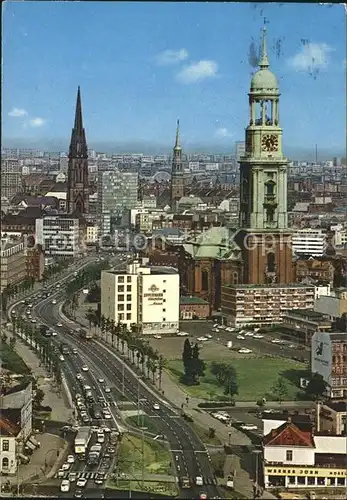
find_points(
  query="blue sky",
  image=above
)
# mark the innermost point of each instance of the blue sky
(142, 65)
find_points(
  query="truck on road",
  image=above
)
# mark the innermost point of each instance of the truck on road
(82, 441)
(94, 455)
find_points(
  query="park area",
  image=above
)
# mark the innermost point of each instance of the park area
(256, 378)
(144, 460)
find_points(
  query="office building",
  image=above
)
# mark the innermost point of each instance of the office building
(12, 262)
(59, 236)
(310, 242)
(11, 178)
(146, 296)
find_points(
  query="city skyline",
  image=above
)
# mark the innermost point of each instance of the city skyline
(177, 65)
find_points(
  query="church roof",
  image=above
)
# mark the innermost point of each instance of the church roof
(215, 243)
(264, 81)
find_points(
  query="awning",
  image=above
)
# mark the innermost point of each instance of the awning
(24, 458)
(34, 442)
(30, 445)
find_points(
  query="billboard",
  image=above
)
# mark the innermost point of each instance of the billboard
(321, 355)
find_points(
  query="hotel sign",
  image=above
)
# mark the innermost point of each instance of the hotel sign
(154, 296)
(311, 472)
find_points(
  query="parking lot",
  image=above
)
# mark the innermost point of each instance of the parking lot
(216, 347)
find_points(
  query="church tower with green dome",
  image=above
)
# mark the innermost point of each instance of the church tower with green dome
(264, 234)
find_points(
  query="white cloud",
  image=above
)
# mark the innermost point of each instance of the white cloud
(17, 112)
(37, 122)
(198, 71)
(172, 56)
(223, 132)
(311, 56)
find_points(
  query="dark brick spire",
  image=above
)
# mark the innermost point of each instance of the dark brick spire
(78, 144)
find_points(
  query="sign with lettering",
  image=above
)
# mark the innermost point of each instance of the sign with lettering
(154, 296)
(321, 356)
(304, 471)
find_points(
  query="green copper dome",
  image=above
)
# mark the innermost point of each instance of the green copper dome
(264, 79)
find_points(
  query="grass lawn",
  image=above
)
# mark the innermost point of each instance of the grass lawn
(256, 377)
(156, 457)
(143, 421)
(169, 489)
(11, 361)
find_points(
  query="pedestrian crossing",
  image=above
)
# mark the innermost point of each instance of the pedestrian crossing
(79, 475)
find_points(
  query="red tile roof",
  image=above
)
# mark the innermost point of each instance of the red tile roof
(288, 434)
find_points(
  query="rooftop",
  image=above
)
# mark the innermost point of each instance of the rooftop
(307, 313)
(273, 286)
(192, 300)
(10, 422)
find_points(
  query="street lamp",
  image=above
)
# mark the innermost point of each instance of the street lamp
(256, 486)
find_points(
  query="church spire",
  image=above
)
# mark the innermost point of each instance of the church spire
(78, 127)
(264, 61)
(177, 143)
(78, 144)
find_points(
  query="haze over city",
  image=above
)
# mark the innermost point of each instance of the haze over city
(138, 73)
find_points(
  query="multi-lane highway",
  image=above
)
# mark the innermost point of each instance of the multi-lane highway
(190, 456)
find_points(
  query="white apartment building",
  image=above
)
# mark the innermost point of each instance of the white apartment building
(309, 242)
(59, 236)
(145, 295)
(92, 234)
(340, 235)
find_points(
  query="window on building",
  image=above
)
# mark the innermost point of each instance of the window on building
(301, 480)
(128, 298)
(311, 481)
(271, 262)
(235, 278)
(128, 316)
(5, 463)
(128, 279)
(5, 445)
(121, 298)
(204, 280)
(128, 288)
(164, 319)
(341, 481)
(164, 300)
(291, 479)
(120, 288)
(120, 307)
(320, 481)
(164, 291)
(120, 279)
(289, 455)
(164, 310)
(270, 214)
(164, 281)
(128, 307)
(121, 317)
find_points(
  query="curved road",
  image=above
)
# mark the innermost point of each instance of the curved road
(190, 454)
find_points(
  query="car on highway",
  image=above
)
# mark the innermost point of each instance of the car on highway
(202, 339)
(72, 477)
(33, 321)
(85, 368)
(78, 494)
(81, 482)
(54, 301)
(202, 496)
(61, 473)
(59, 325)
(70, 459)
(182, 334)
(61, 357)
(101, 380)
(107, 389)
(275, 341)
(156, 406)
(65, 486)
(100, 478)
(54, 334)
(249, 334)
(243, 350)
(258, 336)
(74, 351)
(240, 337)
(249, 427)
(157, 336)
(79, 376)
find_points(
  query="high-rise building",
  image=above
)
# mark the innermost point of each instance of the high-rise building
(78, 184)
(117, 192)
(177, 175)
(264, 236)
(11, 178)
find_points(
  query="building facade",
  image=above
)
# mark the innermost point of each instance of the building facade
(11, 178)
(311, 242)
(329, 359)
(12, 262)
(146, 296)
(78, 181)
(264, 236)
(59, 236)
(264, 304)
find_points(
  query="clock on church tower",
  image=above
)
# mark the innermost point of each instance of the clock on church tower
(263, 184)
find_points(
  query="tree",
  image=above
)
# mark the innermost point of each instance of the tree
(187, 356)
(230, 385)
(197, 365)
(39, 397)
(280, 389)
(12, 342)
(317, 386)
